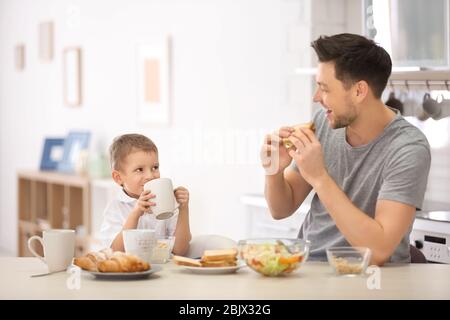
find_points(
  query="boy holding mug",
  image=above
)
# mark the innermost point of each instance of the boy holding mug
(134, 162)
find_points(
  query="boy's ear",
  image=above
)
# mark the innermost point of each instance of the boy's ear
(116, 177)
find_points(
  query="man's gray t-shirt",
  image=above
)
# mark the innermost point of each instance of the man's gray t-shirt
(394, 166)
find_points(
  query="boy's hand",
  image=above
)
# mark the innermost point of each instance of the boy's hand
(182, 196)
(143, 204)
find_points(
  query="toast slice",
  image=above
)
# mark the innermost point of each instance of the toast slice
(184, 261)
(219, 255)
(218, 264)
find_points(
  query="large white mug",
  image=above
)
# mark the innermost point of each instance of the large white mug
(59, 248)
(139, 242)
(164, 198)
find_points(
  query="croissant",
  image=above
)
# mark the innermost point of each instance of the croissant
(86, 263)
(107, 261)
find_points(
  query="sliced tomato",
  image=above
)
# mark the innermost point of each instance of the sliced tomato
(256, 262)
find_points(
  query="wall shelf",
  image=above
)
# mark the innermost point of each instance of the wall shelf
(421, 75)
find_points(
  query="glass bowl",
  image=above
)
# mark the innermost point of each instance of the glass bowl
(349, 261)
(273, 257)
(162, 250)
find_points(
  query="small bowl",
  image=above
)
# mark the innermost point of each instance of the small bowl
(349, 261)
(274, 257)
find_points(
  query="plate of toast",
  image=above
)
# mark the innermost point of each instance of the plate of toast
(219, 261)
(106, 264)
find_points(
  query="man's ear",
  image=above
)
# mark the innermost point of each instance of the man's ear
(361, 90)
(116, 177)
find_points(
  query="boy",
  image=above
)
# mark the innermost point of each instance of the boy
(134, 161)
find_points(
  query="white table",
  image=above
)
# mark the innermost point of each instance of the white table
(313, 281)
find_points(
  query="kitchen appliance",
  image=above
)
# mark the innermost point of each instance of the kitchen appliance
(431, 234)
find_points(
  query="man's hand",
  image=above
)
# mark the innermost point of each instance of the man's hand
(143, 204)
(308, 156)
(274, 156)
(182, 196)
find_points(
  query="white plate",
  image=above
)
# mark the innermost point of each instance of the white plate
(125, 275)
(213, 270)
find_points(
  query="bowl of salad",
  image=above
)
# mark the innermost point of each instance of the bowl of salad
(274, 257)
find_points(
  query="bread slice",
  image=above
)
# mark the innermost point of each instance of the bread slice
(217, 264)
(184, 261)
(219, 255)
(309, 125)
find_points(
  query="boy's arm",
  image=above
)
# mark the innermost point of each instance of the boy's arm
(142, 205)
(182, 231)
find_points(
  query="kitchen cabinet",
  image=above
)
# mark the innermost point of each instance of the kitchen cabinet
(50, 200)
(414, 32)
(54, 200)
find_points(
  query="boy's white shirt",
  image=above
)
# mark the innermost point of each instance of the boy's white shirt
(117, 212)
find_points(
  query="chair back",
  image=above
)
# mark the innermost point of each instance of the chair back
(201, 243)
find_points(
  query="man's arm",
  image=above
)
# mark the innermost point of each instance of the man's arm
(381, 234)
(281, 198)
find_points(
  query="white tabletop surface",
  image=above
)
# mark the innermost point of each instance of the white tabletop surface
(314, 280)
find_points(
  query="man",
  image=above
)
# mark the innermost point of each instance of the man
(367, 165)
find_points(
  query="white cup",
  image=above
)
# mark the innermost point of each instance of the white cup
(139, 242)
(59, 248)
(164, 198)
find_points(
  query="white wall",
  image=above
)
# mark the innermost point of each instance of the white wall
(229, 79)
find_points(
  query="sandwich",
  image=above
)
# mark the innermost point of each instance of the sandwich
(309, 125)
(219, 258)
(210, 259)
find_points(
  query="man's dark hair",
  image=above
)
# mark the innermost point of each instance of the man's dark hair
(355, 58)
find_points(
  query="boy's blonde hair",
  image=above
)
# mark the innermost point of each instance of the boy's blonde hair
(125, 144)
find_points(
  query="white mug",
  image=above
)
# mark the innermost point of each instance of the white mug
(164, 198)
(139, 242)
(59, 248)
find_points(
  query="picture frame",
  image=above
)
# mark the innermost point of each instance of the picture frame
(52, 154)
(46, 41)
(74, 144)
(19, 57)
(72, 76)
(154, 83)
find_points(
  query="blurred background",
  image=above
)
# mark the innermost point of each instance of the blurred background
(205, 80)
